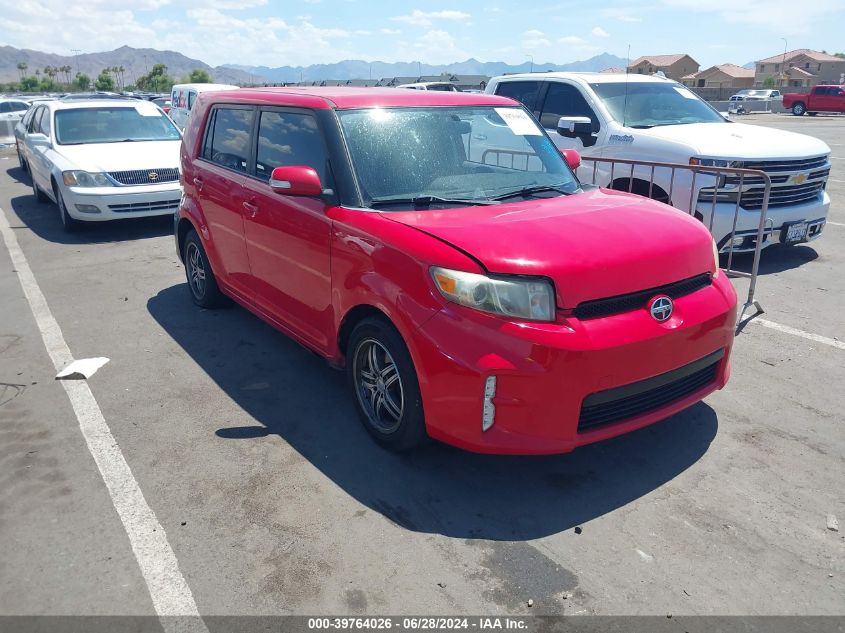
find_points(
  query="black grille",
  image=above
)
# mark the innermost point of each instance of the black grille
(626, 303)
(782, 196)
(639, 398)
(137, 207)
(146, 176)
(801, 164)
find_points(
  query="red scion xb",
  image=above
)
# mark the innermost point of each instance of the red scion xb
(440, 248)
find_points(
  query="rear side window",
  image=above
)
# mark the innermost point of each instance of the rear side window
(227, 140)
(289, 138)
(5, 106)
(35, 123)
(19, 106)
(523, 91)
(565, 100)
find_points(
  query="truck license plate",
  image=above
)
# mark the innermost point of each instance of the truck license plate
(795, 232)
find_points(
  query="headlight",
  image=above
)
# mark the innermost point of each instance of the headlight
(79, 178)
(716, 259)
(532, 299)
(714, 162)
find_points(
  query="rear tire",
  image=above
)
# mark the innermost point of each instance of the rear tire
(385, 387)
(69, 224)
(201, 281)
(798, 109)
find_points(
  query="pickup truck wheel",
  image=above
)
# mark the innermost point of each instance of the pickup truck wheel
(201, 281)
(798, 109)
(384, 381)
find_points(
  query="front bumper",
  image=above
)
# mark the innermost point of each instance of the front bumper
(545, 372)
(96, 204)
(747, 223)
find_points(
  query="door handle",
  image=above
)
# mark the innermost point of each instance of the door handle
(251, 208)
(198, 183)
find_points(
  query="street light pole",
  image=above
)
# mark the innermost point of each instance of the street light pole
(76, 52)
(783, 63)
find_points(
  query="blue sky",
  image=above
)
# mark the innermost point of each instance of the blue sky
(264, 32)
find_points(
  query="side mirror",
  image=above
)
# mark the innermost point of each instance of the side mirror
(572, 158)
(39, 139)
(296, 181)
(574, 126)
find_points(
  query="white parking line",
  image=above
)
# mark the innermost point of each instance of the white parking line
(169, 591)
(796, 332)
(835, 223)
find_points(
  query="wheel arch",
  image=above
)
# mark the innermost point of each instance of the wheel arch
(352, 318)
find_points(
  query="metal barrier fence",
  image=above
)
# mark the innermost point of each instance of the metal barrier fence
(718, 187)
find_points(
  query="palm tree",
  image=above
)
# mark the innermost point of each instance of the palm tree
(66, 70)
(22, 66)
(122, 70)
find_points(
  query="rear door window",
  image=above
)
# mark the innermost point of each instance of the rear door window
(289, 138)
(525, 92)
(228, 137)
(565, 100)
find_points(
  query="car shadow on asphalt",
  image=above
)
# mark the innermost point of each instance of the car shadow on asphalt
(291, 393)
(774, 259)
(42, 218)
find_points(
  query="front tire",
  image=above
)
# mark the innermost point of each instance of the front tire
(22, 162)
(798, 109)
(201, 281)
(40, 196)
(384, 382)
(69, 224)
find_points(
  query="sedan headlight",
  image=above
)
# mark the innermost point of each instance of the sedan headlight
(532, 299)
(79, 178)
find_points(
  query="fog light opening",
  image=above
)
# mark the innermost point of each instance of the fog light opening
(489, 414)
(87, 208)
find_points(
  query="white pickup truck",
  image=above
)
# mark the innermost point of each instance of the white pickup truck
(647, 118)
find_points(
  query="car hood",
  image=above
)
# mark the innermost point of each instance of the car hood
(593, 245)
(738, 141)
(121, 156)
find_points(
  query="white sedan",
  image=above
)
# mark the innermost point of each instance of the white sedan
(103, 160)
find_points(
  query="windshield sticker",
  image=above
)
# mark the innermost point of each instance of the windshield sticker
(620, 139)
(147, 108)
(518, 121)
(685, 93)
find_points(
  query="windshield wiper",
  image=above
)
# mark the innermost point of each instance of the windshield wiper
(529, 191)
(427, 201)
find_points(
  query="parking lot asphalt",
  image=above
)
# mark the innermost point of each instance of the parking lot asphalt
(275, 501)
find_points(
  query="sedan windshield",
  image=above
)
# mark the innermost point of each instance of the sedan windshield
(114, 124)
(440, 156)
(644, 105)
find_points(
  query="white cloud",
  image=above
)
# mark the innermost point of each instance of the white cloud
(534, 39)
(600, 32)
(777, 16)
(621, 15)
(423, 18)
(573, 40)
(438, 47)
(389, 31)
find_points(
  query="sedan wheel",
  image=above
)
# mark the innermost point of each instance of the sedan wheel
(22, 162)
(69, 224)
(36, 191)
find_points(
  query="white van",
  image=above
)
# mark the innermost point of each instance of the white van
(182, 97)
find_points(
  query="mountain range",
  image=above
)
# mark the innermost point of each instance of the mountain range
(360, 69)
(135, 61)
(138, 61)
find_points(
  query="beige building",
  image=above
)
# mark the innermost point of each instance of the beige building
(721, 76)
(803, 68)
(673, 66)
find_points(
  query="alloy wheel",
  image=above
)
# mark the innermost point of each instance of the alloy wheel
(196, 270)
(378, 385)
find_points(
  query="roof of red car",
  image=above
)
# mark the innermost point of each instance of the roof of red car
(354, 97)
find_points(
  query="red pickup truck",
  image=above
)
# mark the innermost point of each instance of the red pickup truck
(820, 99)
